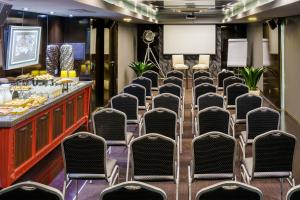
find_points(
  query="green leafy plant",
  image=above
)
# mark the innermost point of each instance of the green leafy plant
(140, 67)
(252, 75)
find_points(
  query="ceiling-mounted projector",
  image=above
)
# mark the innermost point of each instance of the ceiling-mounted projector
(191, 16)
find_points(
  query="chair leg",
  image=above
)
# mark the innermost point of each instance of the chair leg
(193, 121)
(190, 183)
(281, 188)
(77, 190)
(64, 188)
(186, 77)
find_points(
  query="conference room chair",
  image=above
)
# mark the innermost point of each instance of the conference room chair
(258, 121)
(85, 158)
(153, 157)
(153, 76)
(199, 90)
(140, 92)
(212, 119)
(147, 83)
(229, 81)
(128, 104)
(178, 64)
(273, 157)
(203, 63)
(201, 73)
(174, 80)
(230, 190)
(133, 190)
(175, 73)
(171, 102)
(244, 104)
(30, 191)
(111, 124)
(213, 157)
(203, 79)
(233, 91)
(293, 193)
(162, 121)
(223, 75)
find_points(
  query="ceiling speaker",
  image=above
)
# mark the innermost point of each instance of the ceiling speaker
(272, 24)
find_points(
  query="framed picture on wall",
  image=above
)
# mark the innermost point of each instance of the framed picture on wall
(23, 46)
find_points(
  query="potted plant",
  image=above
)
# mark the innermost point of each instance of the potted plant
(140, 67)
(252, 76)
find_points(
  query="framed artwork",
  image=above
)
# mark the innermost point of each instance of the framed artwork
(23, 46)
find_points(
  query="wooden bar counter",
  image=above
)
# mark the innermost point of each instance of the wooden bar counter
(27, 138)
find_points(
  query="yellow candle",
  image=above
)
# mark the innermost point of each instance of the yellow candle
(35, 72)
(64, 74)
(72, 74)
(43, 72)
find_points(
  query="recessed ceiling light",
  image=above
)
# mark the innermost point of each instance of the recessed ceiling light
(252, 19)
(25, 9)
(70, 15)
(51, 12)
(127, 19)
(42, 16)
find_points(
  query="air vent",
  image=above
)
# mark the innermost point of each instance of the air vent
(81, 10)
(191, 16)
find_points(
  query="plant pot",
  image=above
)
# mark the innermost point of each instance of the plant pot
(254, 92)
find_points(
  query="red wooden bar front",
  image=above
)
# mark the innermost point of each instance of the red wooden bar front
(26, 143)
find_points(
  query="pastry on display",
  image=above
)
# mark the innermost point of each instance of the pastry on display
(20, 88)
(66, 57)
(5, 111)
(24, 77)
(52, 59)
(19, 110)
(17, 102)
(45, 77)
(64, 80)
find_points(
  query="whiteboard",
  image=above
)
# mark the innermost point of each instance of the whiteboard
(189, 39)
(237, 53)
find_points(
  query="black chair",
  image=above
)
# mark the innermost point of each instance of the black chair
(273, 157)
(244, 104)
(85, 158)
(138, 91)
(223, 75)
(233, 91)
(213, 158)
(208, 100)
(175, 81)
(258, 121)
(146, 82)
(229, 81)
(203, 79)
(153, 157)
(170, 88)
(293, 193)
(212, 119)
(128, 104)
(133, 190)
(153, 76)
(199, 74)
(30, 191)
(111, 124)
(229, 190)
(175, 73)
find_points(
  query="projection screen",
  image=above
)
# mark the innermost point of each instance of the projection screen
(189, 39)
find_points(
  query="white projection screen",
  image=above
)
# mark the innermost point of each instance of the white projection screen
(189, 39)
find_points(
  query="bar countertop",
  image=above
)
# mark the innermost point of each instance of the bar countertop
(12, 120)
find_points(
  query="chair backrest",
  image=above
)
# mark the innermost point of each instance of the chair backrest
(293, 193)
(177, 59)
(153, 76)
(162, 121)
(199, 74)
(146, 82)
(133, 190)
(202, 89)
(138, 91)
(222, 75)
(230, 190)
(273, 152)
(127, 104)
(153, 155)
(175, 73)
(168, 101)
(210, 99)
(170, 88)
(84, 153)
(235, 90)
(203, 79)
(229, 81)
(213, 119)
(213, 153)
(174, 80)
(204, 59)
(31, 191)
(110, 124)
(246, 103)
(261, 120)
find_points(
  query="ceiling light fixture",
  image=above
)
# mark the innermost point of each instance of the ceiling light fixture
(70, 15)
(127, 19)
(252, 19)
(25, 9)
(51, 12)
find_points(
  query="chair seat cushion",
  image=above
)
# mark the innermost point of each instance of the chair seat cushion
(200, 66)
(181, 67)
